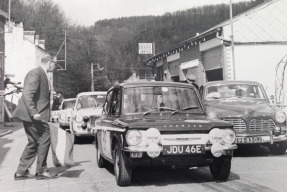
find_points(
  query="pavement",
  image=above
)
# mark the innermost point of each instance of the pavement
(8, 128)
(12, 142)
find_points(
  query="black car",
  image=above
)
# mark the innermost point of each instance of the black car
(160, 123)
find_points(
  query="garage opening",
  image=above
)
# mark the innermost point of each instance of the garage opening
(214, 75)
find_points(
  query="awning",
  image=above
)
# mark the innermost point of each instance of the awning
(189, 64)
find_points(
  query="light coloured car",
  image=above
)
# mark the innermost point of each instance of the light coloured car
(88, 107)
(64, 114)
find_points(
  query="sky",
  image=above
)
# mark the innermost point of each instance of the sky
(87, 12)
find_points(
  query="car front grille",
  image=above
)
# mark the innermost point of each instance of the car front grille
(261, 125)
(238, 124)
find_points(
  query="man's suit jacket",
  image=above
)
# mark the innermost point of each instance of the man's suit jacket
(35, 97)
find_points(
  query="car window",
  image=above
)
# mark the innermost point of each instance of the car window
(90, 101)
(108, 102)
(115, 103)
(141, 99)
(234, 91)
(68, 104)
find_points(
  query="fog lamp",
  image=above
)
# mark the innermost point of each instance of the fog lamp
(215, 135)
(152, 136)
(153, 150)
(84, 125)
(217, 149)
(276, 131)
(86, 118)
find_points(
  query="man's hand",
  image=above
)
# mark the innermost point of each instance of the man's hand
(37, 117)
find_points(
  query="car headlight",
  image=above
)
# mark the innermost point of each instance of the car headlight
(133, 137)
(229, 136)
(280, 116)
(63, 116)
(212, 115)
(78, 118)
(215, 135)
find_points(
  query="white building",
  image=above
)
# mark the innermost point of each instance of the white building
(23, 52)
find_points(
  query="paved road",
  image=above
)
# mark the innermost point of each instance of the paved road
(253, 169)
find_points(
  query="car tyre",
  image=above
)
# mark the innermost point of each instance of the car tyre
(220, 168)
(278, 148)
(100, 159)
(122, 168)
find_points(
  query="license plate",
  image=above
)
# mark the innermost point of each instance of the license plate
(248, 140)
(183, 149)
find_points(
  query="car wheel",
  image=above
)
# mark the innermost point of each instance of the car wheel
(278, 148)
(220, 168)
(100, 159)
(122, 168)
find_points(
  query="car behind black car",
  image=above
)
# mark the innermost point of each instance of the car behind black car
(245, 104)
(160, 123)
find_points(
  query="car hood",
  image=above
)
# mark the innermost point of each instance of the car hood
(194, 123)
(97, 111)
(66, 111)
(237, 108)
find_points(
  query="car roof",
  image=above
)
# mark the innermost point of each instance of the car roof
(151, 83)
(92, 93)
(231, 82)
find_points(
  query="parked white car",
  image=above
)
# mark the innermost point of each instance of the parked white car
(64, 114)
(87, 109)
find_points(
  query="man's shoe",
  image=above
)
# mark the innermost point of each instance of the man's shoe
(45, 175)
(18, 176)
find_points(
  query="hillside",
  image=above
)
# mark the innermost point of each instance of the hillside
(112, 43)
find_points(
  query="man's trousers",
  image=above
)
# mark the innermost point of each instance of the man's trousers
(38, 134)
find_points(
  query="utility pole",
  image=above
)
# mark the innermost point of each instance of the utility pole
(92, 77)
(232, 39)
(65, 59)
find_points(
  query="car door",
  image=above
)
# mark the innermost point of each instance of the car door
(106, 123)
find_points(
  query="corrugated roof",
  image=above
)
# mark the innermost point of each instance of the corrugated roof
(216, 28)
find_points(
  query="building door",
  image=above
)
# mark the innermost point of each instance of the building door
(212, 62)
(173, 68)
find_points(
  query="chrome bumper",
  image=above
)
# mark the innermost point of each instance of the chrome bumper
(144, 148)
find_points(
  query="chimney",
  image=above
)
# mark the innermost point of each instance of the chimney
(42, 44)
(30, 36)
(37, 40)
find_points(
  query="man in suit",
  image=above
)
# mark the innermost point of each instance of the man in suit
(34, 110)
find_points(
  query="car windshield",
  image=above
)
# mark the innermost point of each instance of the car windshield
(89, 101)
(234, 91)
(68, 104)
(156, 98)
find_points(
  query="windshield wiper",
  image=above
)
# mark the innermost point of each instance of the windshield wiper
(184, 109)
(159, 109)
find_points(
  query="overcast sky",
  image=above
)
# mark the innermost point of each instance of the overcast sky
(87, 12)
